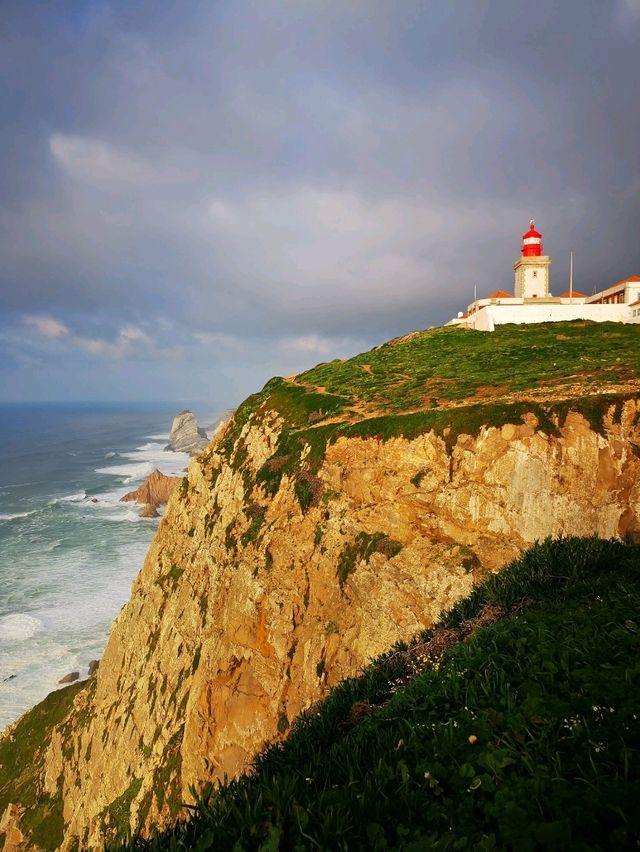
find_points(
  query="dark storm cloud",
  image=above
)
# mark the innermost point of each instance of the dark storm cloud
(253, 186)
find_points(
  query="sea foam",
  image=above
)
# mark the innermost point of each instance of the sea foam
(18, 626)
(16, 515)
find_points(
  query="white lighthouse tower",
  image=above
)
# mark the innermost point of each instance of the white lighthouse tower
(532, 268)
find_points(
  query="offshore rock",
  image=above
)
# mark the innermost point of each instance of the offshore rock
(154, 491)
(186, 436)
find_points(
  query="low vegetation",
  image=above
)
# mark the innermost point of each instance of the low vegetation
(362, 549)
(447, 380)
(441, 365)
(511, 724)
(21, 765)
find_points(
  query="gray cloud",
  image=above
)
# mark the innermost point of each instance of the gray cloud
(258, 185)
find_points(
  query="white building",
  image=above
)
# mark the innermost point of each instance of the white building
(532, 301)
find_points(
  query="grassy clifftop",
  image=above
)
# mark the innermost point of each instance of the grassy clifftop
(448, 380)
(511, 724)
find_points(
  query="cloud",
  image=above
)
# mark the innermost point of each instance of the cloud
(629, 9)
(218, 340)
(129, 339)
(47, 326)
(334, 257)
(285, 185)
(100, 164)
(310, 343)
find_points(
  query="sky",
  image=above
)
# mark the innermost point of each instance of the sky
(198, 195)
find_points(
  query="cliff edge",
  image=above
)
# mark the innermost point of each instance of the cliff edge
(337, 513)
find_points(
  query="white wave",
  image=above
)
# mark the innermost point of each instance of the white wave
(78, 497)
(130, 515)
(144, 459)
(18, 626)
(164, 437)
(14, 515)
(110, 455)
(106, 500)
(131, 472)
(151, 446)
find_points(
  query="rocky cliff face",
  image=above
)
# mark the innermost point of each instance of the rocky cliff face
(274, 574)
(248, 609)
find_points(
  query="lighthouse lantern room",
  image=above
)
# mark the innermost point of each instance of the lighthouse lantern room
(532, 268)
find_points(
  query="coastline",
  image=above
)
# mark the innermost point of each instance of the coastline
(69, 549)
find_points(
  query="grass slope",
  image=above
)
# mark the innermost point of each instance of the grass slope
(523, 736)
(448, 380)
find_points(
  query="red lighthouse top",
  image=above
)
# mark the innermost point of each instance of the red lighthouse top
(532, 241)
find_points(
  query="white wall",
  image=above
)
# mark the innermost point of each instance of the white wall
(487, 318)
(531, 277)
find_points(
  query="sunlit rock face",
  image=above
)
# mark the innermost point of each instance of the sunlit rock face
(249, 607)
(186, 436)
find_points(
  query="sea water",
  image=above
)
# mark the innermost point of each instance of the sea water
(69, 549)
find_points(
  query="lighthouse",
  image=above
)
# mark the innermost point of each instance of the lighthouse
(532, 267)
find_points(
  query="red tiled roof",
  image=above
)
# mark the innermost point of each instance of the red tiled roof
(633, 304)
(500, 294)
(575, 293)
(634, 278)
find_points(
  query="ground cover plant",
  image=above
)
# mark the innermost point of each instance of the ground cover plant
(452, 364)
(21, 765)
(512, 724)
(450, 381)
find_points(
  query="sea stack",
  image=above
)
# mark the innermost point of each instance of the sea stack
(154, 492)
(186, 436)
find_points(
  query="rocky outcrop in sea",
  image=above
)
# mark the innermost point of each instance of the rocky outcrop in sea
(154, 492)
(186, 436)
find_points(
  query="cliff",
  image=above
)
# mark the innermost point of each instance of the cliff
(512, 724)
(339, 512)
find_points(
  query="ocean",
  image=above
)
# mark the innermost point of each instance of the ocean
(69, 550)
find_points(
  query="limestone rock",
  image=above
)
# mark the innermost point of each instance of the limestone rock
(14, 839)
(70, 678)
(93, 667)
(186, 436)
(154, 492)
(240, 619)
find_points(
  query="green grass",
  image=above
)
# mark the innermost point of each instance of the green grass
(116, 815)
(447, 380)
(256, 515)
(171, 577)
(453, 364)
(361, 549)
(525, 736)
